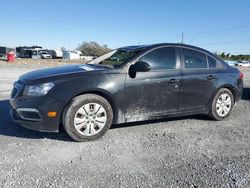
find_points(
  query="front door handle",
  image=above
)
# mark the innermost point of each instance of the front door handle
(211, 77)
(172, 81)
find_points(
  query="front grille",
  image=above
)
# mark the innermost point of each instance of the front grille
(16, 89)
(14, 92)
(19, 82)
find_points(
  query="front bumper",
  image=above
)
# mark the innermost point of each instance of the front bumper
(33, 125)
(41, 105)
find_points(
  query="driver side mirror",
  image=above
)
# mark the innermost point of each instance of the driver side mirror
(139, 66)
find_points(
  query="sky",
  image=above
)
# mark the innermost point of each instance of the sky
(216, 25)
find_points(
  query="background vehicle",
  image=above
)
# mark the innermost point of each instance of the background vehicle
(27, 51)
(244, 64)
(129, 84)
(45, 55)
(73, 55)
(3, 53)
(56, 54)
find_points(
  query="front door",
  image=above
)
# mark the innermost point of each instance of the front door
(156, 92)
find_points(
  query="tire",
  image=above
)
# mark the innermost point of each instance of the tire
(221, 103)
(87, 117)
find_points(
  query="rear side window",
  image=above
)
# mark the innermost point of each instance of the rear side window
(161, 58)
(194, 59)
(211, 62)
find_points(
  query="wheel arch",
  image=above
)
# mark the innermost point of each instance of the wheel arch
(226, 86)
(99, 92)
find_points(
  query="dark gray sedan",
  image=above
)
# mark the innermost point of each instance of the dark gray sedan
(128, 84)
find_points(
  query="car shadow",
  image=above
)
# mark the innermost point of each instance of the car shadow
(246, 94)
(9, 128)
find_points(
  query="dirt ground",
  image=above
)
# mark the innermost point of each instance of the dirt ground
(41, 62)
(177, 152)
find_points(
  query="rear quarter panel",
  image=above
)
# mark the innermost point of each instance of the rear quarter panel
(229, 77)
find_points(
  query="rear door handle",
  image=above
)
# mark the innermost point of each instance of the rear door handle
(172, 81)
(211, 77)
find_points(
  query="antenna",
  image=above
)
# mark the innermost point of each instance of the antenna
(182, 37)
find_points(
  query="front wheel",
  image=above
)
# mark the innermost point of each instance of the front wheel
(87, 117)
(222, 104)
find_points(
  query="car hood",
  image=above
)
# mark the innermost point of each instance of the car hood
(59, 71)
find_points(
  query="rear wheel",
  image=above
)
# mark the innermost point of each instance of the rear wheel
(222, 104)
(87, 117)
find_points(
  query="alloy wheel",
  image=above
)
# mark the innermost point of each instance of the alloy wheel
(223, 104)
(90, 119)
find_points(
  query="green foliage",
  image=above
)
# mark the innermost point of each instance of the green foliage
(233, 57)
(222, 55)
(93, 49)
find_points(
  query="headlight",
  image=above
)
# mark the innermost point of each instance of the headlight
(37, 90)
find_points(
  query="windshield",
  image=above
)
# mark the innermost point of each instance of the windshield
(115, 58)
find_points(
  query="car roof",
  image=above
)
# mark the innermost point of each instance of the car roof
(135, 47)
(151, 46)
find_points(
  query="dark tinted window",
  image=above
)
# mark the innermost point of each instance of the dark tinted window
(211, 62)
(161, 58)
(194, 59)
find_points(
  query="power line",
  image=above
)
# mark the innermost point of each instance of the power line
(223, 34)
(211, 33)
(220, 31)
(227, 42)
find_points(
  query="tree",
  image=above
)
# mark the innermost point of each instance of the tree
(222, 55)
(233, 57)
(93, 49)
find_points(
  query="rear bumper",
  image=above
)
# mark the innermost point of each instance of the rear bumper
(238, 91)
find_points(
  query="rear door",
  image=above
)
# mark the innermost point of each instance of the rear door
(198, 77)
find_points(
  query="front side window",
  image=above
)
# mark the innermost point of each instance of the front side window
(194, 59)
(161, 58)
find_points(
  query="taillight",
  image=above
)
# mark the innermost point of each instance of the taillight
(241, 75)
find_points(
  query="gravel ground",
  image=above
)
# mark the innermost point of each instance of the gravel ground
(178, 152)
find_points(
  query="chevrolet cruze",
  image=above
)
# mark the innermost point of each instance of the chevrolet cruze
(133, 83)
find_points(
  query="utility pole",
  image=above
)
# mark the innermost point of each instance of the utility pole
(182, 38)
